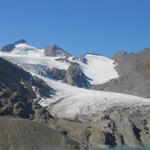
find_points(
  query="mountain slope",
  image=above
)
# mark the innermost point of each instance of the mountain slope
(134, 74)
(92, 118)
(18, 90)
(97, 69)
(24, 124)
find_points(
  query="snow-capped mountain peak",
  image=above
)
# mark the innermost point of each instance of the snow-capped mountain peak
(21, 41)
(26, 49)
(21, 47)
(96, 69)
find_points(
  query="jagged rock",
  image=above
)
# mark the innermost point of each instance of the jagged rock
(21, 41)
(17, 79)
(76, 77)
(17, 93)
(58, 74)
(54, 50)
(43, 89)
(81, 58)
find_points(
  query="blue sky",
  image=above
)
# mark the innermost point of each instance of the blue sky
(79, 26)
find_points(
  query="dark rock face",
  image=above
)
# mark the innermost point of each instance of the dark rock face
(17, 104)
(43, 89)
(54, 50)
(73, 75)
(76, 77)
(8, 48)
(11, 75)
(17, 92)
(134, 71)
(58, 74)
(81, 58)
(20, 41)
(17, 79)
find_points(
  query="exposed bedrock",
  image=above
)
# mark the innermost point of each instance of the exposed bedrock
(134, 71)
(114, 127)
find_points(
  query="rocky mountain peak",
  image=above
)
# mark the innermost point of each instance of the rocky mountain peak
(11, 46)
(54, 50)
(21, 41)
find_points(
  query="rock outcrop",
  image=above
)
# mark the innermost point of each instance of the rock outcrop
(54, 50)
(18, 90)
(16, 79)
(76, 77)
(114, 127)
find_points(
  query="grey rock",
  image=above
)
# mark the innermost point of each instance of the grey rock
(76, 77)
(20, 134)
(54, 50)
(58, 74)
(113, 127)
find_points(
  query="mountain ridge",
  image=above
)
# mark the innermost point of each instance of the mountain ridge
(107, 116)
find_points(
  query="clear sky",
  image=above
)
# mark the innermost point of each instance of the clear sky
(79, 26)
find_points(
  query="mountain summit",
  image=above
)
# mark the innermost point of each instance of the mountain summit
(21, 41)
(10, 47)
(54, 50)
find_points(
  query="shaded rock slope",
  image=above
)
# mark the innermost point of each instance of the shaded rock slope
(18, 89)
(134, 71)
(76, 77)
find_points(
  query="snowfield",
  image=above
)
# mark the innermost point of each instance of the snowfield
(34, 59)
(72, 102)
(98, 69)
(69, 101)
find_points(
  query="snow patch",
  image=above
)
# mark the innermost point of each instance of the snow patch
(25, 49)
(34, 59)
(98, 69)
